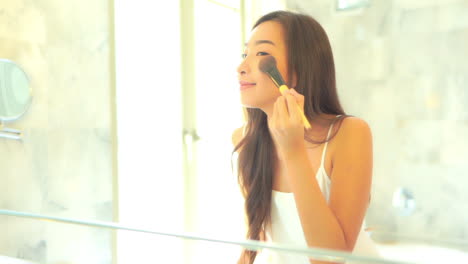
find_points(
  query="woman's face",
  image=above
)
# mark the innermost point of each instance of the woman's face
(256, 88)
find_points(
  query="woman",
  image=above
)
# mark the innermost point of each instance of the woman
(278, 158)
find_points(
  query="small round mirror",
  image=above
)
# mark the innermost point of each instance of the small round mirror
(15, 91)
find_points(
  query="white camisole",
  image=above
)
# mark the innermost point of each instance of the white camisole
(286, 225)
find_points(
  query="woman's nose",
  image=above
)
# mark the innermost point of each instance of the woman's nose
(242, 68)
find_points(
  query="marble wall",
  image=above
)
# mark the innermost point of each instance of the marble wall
(401, 66)
(64, 165)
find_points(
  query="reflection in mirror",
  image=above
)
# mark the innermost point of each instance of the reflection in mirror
(15, 96)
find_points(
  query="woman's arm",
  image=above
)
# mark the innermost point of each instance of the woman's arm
(335, 225)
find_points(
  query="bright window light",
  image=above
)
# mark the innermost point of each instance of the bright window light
(149, 129)
(218, 48)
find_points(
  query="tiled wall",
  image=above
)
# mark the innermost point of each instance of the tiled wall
(64, 165)
(401, 66)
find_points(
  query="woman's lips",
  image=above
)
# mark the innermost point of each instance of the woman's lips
(246, 85)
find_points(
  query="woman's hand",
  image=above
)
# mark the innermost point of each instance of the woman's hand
(285, 124)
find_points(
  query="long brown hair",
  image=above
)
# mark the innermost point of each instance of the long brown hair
(310, 58)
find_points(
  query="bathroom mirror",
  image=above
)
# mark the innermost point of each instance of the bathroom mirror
(15, 96)
(15, 91)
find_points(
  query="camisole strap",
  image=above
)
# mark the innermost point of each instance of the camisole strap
(322, 162)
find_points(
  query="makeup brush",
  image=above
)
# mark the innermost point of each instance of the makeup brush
(268, 66)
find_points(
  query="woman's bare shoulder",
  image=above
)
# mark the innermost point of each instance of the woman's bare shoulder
(352, 125)
(351, 147)
(352, 128)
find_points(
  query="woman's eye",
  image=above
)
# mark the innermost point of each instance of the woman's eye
(260, 53)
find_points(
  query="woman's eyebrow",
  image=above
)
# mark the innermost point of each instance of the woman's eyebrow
(262, 41)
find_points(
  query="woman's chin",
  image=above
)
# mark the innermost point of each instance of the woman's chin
(257, 104)
(250, 103)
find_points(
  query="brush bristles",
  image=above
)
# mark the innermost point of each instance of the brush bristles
(268, 66)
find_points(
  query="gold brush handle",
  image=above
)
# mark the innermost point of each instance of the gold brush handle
(307, 125)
